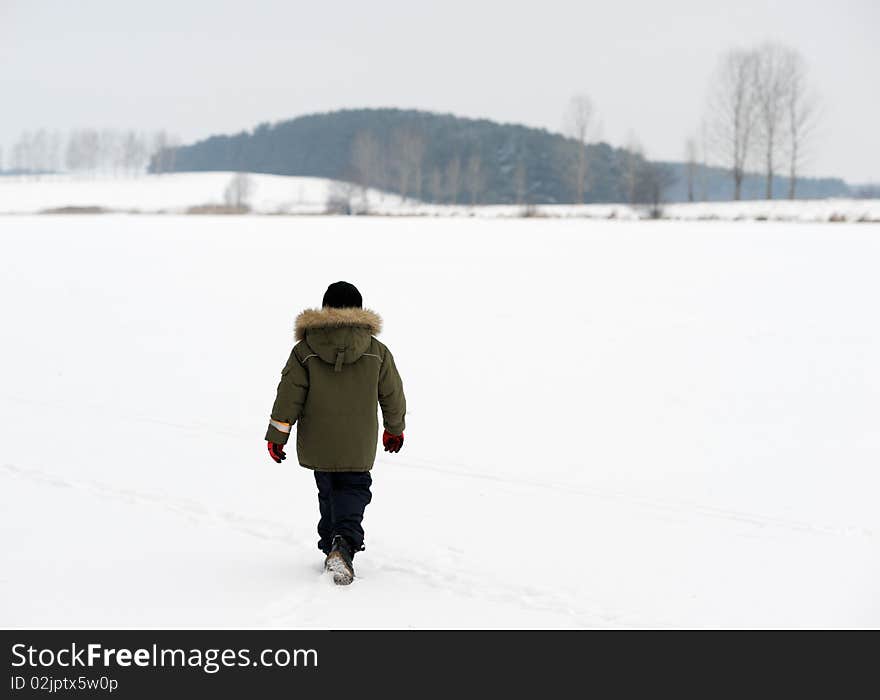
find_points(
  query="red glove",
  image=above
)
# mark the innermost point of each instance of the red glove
(392, 443)
(276, 452)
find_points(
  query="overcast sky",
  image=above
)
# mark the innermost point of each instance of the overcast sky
(198, 67)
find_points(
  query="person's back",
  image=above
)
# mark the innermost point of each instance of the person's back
(337, 376)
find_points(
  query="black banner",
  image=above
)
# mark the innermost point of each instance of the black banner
(150, 664)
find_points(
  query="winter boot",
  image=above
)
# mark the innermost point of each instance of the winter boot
(339, 561)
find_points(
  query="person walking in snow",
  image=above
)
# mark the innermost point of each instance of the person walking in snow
(336, 375)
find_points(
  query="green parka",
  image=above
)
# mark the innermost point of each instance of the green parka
(337, 376)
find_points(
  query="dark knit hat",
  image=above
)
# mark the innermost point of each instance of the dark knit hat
(342, 295)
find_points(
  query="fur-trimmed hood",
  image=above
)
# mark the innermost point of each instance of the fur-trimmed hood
(329, 317)
(330, 331)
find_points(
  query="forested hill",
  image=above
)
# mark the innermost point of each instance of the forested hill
(444, 158)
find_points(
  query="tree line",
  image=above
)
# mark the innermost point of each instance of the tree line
(91, 152)
(402, 163)
(421, 155)
(398, 165)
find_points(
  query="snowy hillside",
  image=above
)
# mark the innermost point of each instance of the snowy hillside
(276, 194)
(171, 193)
(634, 424)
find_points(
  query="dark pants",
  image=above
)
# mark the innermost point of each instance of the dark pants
(342, 498)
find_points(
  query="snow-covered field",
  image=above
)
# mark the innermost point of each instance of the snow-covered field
(173, 193)
(614, 424)
(812, 211)
(275, 194)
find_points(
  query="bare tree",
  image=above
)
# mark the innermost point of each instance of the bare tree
(15, 156)
(238, 192)
(106, 156)
(435, 185)
(399, 164)
(417, 157)
(90, 150)
(690, 150)
(23, 153)
(653, 181)
(1, 159)
(339, 198)
(143, 142)
(772, 82)
(732, 111)
(40, 152)
(72, 155)
(632, 165)
(453, 178)
(474, 178)
(134, 153)
(171, 152)
(800, 117)
(409, 151)
(84, 145)
(54, 151)
(579, 117)
(520, 182)
(704, 162)
(163, 152)
(365, 158)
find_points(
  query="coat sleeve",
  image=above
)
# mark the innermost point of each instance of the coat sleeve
(289, 400)
(391, 397)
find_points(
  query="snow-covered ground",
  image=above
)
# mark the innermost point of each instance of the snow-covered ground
(275, 194)
(174, 193)
(611, 423)
(814, 211)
